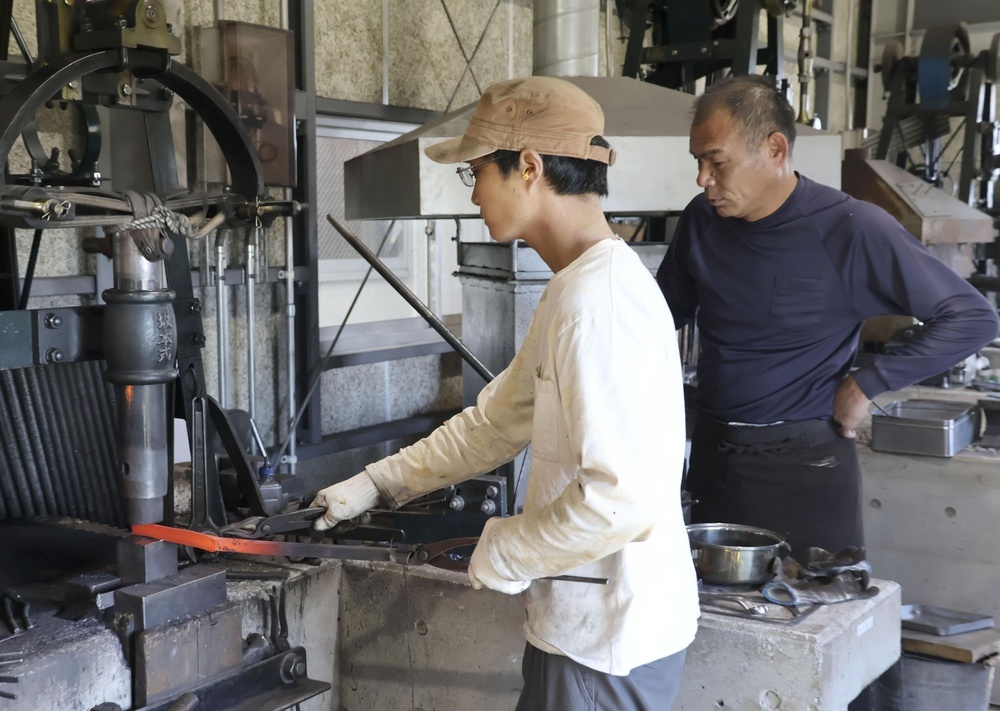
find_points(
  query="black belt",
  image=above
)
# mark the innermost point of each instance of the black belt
(817, 431)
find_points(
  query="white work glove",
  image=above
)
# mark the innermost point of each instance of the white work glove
(483, 574)
(346, 500)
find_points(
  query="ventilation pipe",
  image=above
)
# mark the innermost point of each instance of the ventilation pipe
(566, 38)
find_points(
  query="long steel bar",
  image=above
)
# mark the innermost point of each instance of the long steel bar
(251, 278)
(222, 317)
(411, 298)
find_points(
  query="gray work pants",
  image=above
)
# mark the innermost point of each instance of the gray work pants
(553, 682)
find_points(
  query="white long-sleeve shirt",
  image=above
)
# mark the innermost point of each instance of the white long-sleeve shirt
(596, 389)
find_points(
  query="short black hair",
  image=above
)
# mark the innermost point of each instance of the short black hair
(567, 176)
(755, 104)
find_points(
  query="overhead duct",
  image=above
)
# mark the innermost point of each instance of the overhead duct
(646, 124)
(566, 36)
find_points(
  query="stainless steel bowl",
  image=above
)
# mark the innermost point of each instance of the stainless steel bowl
(731, 554)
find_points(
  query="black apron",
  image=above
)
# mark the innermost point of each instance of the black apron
(801, 480)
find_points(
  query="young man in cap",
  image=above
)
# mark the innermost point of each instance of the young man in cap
(607, 434)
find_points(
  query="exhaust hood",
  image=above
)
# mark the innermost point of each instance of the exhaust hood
(645, 123)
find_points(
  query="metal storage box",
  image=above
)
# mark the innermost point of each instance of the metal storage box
(936, 427)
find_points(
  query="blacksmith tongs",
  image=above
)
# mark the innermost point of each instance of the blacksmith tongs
(441, 554)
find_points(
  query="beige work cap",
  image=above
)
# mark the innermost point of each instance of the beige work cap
(545, 114)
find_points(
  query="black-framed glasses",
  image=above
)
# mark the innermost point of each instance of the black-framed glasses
(468, 176)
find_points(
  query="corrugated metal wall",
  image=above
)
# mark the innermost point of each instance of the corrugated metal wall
(57, 446)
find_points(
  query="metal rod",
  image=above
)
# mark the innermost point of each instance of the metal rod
(222, 317)
(410, 298)
(260, 442)
(578, 579)
(29, 274)
(609, 50)
(510, 39)
(385, 52)
(21, 44)
(292, 458)
(251, 275)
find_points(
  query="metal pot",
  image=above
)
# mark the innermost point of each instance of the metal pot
(731, 554)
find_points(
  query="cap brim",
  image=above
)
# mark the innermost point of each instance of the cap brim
(457, 150)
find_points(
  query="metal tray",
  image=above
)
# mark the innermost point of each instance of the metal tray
(939, 428)
(942, 621)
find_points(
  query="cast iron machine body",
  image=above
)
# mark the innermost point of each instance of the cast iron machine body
(146, 339)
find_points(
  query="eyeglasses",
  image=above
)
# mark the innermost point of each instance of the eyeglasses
(468, 176)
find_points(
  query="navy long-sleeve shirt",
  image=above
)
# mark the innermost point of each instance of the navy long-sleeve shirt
(780, 303)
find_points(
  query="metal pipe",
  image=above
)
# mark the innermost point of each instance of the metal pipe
(216, 11)
(510, 39)
(566, 38)
(291, 458)
(385, 52)
(433, 260)
(609, 49)
(806, 63)
(251, 278)
(21, 44)
(410, 298)
(849, 70)
(222, 317)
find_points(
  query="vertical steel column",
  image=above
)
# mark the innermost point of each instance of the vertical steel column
(222, 317)
(291, 458)
(302, 23)
(251, 281)
(747, 26)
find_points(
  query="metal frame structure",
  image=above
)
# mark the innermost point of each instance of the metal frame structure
(692, 40)
(945, 80)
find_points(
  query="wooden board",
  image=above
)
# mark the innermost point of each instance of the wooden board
(969, 647)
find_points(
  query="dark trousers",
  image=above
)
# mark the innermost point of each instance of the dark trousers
(553, 682)
(801, 480)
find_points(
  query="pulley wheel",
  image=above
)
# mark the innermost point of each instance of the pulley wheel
(723, 11)
(993, 61)
(959, 51)
(944, 56)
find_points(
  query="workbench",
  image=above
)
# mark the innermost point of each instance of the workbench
(819, 661)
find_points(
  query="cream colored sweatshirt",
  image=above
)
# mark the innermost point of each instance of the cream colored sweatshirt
(596, 389)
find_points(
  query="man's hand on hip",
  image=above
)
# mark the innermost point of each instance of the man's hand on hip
(850, 406)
